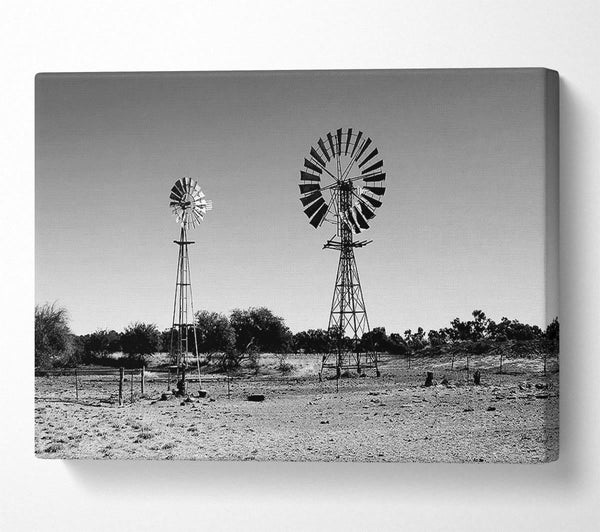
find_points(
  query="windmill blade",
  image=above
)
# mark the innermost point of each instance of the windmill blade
(209, 205)
(377, 165)
(372, 201)
(179, 187)
(339, 141)
(374, 178)
(352, 221)
(318, 217)
(312, 166)
(366, 211)
(364, 148)
(314, 207)
(330, 139)
(348, 137)
(308, 188)
(174, 204)
(323, 149)
(175, 196)
(195, 219)
(305, 176)
(358, 137)
(314, 154)
(186, 184)
(360, 219)
(379, 191)
(368, 158)
(311, 197)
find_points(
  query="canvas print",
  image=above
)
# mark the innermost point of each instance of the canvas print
(297, 266)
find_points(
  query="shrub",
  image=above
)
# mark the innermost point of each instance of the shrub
(54, 343)
(140, 340)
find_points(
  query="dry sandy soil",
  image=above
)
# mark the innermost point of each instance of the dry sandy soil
(511, 417)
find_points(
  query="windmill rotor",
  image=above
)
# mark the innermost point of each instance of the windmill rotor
(188, 203)
(342, 161)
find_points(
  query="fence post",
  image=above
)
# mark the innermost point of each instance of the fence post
(169, 379)
(143, 379)
(76, 386)
(131, 387)
(121, 378)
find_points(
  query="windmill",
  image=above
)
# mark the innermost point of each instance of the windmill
(189, 205)
(342, 182)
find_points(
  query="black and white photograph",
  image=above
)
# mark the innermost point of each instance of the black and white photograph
(312, 265)
(199, 238)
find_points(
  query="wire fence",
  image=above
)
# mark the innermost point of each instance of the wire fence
(121, 386)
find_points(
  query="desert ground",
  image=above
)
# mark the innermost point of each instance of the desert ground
(511, 417)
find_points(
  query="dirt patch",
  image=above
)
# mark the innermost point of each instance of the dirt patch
(391, 418)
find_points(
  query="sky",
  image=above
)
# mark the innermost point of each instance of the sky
(462, 225)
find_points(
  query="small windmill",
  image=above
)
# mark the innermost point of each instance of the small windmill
(189, 205)
(342, 182)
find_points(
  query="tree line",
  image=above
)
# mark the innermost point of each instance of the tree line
(227, 340)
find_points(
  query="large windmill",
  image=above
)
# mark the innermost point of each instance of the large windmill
(189, 205)
(342, 182)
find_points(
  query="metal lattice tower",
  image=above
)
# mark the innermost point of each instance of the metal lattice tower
(348, 159)
(183, 311)
(189, 206)
(348, 319)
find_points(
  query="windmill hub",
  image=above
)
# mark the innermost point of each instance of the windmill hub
(336, 164)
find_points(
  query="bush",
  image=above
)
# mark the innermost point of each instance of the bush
(54, 343)
(254, 361)
(261, 330)
(284, 366)
(140, 340)
(214, 333)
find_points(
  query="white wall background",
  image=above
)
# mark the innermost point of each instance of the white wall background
(192, 35)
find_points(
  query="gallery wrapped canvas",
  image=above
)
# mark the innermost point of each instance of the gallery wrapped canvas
(377, 279)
